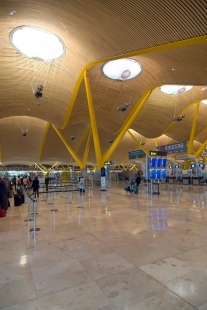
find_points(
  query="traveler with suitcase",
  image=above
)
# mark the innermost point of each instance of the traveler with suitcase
(137, 181)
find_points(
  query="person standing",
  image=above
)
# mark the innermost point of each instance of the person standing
(46, 183)
(137, 181)
(3, 195)
(14, 182)
(25, 183)
(35, 186)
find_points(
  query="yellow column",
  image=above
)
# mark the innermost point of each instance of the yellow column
(68, 147)
(93, 123)
(81, 141)
(141, 146)
(156, 144)
(139, 105)
(43, 142)
(192, 135)
(201, 149)
(85, 156)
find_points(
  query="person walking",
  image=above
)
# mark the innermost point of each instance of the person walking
(35, 186)
(137, 181)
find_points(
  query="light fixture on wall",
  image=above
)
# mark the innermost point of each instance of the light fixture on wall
(142, 142)
(24, 132)
(178, 118)
(126, 103)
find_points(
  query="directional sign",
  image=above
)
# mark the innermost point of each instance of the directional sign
(186, 156)
(179, 147)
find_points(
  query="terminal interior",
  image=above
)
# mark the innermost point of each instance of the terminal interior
(92, 94)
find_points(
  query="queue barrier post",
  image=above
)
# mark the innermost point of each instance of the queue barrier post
(34, 229)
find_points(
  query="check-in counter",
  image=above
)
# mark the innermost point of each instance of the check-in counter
(186, 180)
(196, 180)
(171, 180)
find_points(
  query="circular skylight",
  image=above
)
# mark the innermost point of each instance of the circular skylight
(37, 43)
(122, 69)
(204, 101)
(175, 89)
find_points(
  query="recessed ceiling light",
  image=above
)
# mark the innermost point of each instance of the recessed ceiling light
(174, 89)
(204, 101)
(37, 43)
(122, 69)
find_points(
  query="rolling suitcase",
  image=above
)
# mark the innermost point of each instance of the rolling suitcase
(17, 200)
(22, 196)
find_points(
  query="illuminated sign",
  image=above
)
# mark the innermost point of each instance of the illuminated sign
(136, 154)
(185, 156)
(157, 153)
(107, 162)
(180, 147)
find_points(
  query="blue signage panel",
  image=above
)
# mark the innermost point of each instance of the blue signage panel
(136, 154)
(179, 147)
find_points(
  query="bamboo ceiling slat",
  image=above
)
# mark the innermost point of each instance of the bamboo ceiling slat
(92, 30)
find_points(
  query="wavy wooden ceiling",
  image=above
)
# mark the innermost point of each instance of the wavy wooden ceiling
(93, 30)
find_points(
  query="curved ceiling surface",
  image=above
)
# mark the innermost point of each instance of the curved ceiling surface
(95, 30)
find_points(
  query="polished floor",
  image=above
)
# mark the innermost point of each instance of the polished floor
(118, 251)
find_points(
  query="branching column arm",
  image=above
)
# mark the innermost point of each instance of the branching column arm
(139, 105)
(81, 141)
(201, 149)
(192, 135)
(43, 142)
(93, 123)
(85, 156)
(78, 161)
(133, 137)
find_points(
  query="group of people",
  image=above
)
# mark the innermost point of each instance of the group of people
(16, 184)
(19, 183)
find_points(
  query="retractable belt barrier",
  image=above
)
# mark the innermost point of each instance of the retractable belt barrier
(32, 198)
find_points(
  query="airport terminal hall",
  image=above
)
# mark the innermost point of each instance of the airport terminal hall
(103, 154)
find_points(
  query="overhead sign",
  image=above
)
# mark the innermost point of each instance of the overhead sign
(109, 162)
(185, 156)
(136, 154)
(157, 153)
(179, 147)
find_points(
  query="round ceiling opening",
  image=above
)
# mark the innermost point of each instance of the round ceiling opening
(122, 69)
(37, 43)
(175, 89)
